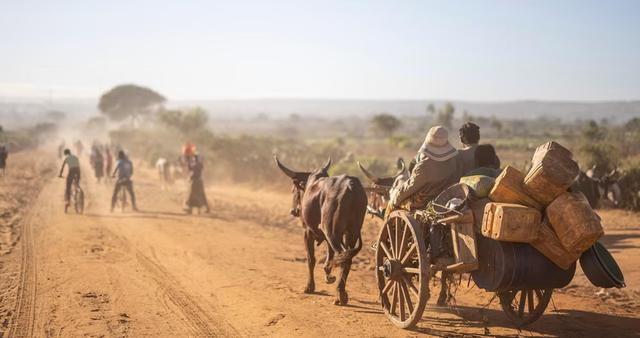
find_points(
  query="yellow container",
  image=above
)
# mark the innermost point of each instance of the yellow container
(553, 171)
(511, 222)
(551, 149)
(578, 227)
(549, 245)
(509, 189)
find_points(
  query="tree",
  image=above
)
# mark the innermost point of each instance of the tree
(633, 125)
(445, 116)
(496, 124)
(593, 132)
(185, 122)
(385, 124)
(129, 101)
(431, 109)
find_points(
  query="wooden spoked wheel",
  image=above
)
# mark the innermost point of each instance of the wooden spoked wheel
(524, 307)
(402, 269)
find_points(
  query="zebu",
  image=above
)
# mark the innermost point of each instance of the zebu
(331, 209)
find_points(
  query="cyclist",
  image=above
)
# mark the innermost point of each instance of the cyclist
(73, 173)
(124, 169)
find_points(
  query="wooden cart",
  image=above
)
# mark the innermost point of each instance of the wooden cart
(404, 268)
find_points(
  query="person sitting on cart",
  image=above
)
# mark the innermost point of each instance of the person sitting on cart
(469, 136)
(73, 173)
(487, 162)
(437, 167)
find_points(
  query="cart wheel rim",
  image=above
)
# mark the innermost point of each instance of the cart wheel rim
(524, 306)
(402, 269)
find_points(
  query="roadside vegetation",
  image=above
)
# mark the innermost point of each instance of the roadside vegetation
(241, 150)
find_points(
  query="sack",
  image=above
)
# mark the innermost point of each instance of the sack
(480, 184)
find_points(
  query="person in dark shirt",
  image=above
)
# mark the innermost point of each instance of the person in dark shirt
(124, 170)
(197, 197)
(487, 162)
(3, 158)
(469, 136)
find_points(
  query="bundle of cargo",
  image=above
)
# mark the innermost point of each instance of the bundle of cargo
(570, 228)
(481, 185)
(511, 222)
(509, 188)
(576, 224)
(553, 171)
(548, 244)
(518, 202)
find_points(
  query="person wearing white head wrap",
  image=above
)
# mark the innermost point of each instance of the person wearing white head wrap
(437, 167)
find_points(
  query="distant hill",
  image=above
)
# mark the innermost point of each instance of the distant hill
(21, 112)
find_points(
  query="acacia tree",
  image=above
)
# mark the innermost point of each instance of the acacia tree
(385, 124)
(129, 101)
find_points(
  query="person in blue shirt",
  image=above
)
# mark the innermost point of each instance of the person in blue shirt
(124, 170)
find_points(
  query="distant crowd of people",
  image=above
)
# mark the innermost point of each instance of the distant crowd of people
(102, 164)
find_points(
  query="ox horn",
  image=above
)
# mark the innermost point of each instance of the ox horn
(284, 169)
(327, 165)
(369, 175)
(401, 167)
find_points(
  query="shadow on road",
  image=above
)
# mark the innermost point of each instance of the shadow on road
(559, 323)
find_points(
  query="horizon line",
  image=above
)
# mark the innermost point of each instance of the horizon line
(43, 99)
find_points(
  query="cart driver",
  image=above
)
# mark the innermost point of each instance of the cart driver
(437, 167)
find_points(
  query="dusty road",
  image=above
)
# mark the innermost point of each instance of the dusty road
(240, 272)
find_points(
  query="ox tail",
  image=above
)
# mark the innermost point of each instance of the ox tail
(344, 254)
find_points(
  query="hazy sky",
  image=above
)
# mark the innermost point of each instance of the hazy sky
(470, 50)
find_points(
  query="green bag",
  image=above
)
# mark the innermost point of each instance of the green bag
(480, 184)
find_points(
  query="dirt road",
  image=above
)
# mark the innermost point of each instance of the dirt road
(241, 272)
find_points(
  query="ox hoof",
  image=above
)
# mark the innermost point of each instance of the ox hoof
(310, 289)
(342, 300)
(329, 279)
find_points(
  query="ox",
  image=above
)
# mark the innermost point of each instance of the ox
(603, 191)
(380, 189)
(331, 209)
(589, 187)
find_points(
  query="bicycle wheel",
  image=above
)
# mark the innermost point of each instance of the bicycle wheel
(79, 201)
(123, 199)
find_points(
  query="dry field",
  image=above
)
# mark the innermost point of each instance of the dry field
(237, 272)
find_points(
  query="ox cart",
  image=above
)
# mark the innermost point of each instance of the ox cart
(413, 245)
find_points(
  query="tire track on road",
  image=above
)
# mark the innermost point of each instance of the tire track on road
(23, 319)
(201, 322)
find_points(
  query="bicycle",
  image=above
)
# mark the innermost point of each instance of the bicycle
(121, 200)
(76, 197)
